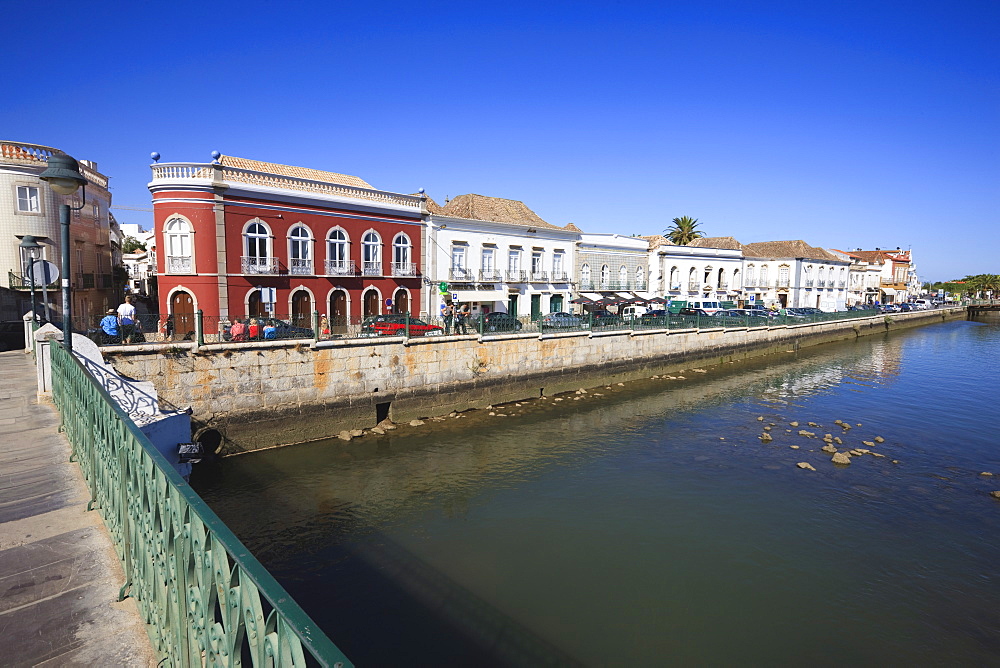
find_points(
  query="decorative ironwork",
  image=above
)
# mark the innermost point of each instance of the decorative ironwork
(341, 268)
(205, 599)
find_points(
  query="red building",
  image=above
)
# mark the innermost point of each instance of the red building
(235, 234)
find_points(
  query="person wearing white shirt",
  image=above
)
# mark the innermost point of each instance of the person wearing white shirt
(126, 318)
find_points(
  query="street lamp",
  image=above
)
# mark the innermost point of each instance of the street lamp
(63, 175)
(32, 249)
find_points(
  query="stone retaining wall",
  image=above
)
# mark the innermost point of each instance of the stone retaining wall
(259, 395)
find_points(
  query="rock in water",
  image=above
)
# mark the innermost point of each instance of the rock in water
(996, 494)
(760, 418)
(806, 465)
(879, 439)
(794, 424)
(841, 458)
(828, 448)
(344, 435)
(985, 473)
(416, 423)
(766, 437)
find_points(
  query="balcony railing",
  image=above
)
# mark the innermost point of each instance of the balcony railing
(106, 281)
(810, 283)
(185, 171)
(489, 275)
(300, 267)
(19, 282)
(371, 269)
(694, 287)
(405, 269)
(640, 285)
(461, 274)
(259, 265)
(783, 283)
(560, 277)
(517, 276)
(841, 284)
(539, 277)
(181, 264)
(587, 285)
(341, 268)
(87, 281)
(676, 287)
(36, 154)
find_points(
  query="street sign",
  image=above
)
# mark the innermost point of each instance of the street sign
(443, 287)
(43, 272)
(388, 302)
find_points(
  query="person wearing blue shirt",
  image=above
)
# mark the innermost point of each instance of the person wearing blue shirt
(109, 326)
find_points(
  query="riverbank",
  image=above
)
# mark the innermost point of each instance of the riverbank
(249, 396)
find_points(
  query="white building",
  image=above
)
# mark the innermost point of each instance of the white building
(706, 269)
(497, 255)
(612, 265)
(794, 274)
(28, 206)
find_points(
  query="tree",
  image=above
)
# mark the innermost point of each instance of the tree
(131, 245)
(683, 231)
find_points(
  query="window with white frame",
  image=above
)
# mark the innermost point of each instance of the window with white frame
(558, 266)
(179, 245)
(675, 278)
(27, 199)
(338, 253)
(585, 277)
(784, 271)
(402, 256)
(763, 276)
(488, 265)
(537, 266)
(750, 275)
(640, 278)
(458, 263)
(371, 254)
(514, 264)
(300, 251)
(693, 283)
(257, 256)
(605, 276)
(622, 277)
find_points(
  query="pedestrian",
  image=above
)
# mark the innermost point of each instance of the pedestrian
(463, 319)
(448, 313)
(111, 334)
(126, 319)
(324, 325)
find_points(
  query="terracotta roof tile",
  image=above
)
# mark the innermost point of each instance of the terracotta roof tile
(796, 249)
(726, 243)
(496, 210)
(657, 240)
(294, 172)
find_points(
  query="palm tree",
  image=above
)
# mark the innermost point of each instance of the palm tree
(683, 231)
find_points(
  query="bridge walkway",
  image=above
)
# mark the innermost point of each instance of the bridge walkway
(59, 574)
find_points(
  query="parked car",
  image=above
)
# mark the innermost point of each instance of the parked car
(700, 312)
(750, 316)
(604, 319)
(656, 318)
(395, 324)
(496, 321)
(562, 320)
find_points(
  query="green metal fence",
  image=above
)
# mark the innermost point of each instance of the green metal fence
(205, 599)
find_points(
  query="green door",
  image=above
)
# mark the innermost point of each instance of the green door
(512, 305)
(556, 304)
(536, 307)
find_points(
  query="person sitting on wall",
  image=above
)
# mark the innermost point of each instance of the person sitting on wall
(109, 328)
(238, 331)
(254, 330)
(270, 331)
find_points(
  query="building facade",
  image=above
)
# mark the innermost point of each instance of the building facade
(706, 269)
(612, 265)
(242, 238)
(28, 206)
(794, 274)
(498, 255)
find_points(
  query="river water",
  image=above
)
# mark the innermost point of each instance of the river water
(648, 524)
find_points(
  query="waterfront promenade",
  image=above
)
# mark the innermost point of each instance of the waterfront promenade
(59, 575)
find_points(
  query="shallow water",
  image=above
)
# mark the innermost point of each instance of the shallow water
(650, 525)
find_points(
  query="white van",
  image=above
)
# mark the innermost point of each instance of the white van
(923, 304)
(709, 307)
(632, 311)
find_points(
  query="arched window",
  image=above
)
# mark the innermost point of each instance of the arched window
(402, 256)
(693, 282)
(338, 254)
(177, 237)
(640, 278)
(721, 282)
(623, 277)
(748, 280)
(605, 277)
(675, 278)
(257, 256)
(371, 254)
(585, 283)
(300, 251)
(736, 278)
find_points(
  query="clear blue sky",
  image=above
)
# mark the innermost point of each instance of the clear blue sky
(853, 124)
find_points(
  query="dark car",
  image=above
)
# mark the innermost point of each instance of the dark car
(702, 313)
(397, 324)
(604, 319)
(496, 321)
(561, 320)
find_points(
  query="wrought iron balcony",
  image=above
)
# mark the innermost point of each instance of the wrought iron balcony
(676, 287)
(694, 287)
(259, 265)
(405, 269)
(461, 274)
(560, 277)
(539, 277)
(810, 283)
(181, 264)
(517, 276)
(341, 268)
(300, 267)
(489, 275)
(783, 282)
(19, 282)
(371, 269)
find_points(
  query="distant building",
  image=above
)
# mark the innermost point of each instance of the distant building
(795, 274)
(612, 266)
(29, 206)
(498, 255)
(898, 281)
(238, 238)
(709, 268)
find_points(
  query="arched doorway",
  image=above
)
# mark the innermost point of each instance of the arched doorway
(371, 304)
(182, 312)
(338, 312)
(255, 307)
(401, 301)
(301, 308)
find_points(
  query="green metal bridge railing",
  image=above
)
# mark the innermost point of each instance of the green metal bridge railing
(204, 597)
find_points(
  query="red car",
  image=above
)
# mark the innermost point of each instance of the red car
(396, 325)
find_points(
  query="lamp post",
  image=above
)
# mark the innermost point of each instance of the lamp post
(32, 249)
(63, 175)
